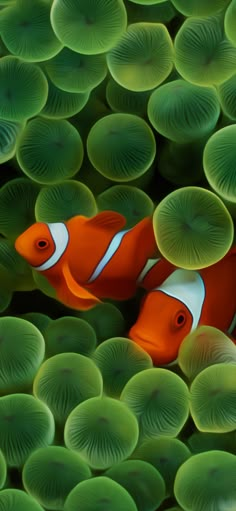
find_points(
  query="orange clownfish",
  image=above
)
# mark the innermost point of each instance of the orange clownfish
(86, 259)
(184, 300)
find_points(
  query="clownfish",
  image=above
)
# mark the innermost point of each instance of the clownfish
(86, 259)
(184, 300)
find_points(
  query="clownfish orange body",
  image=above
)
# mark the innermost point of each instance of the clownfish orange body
(183, 300)
(87, 259)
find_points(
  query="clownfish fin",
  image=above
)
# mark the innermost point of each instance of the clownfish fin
(77, 290)
(107, 220)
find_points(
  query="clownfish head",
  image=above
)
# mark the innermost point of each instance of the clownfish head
(43, 244)
(168, 314)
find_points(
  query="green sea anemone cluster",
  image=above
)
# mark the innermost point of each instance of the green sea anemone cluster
(67, 418)
(127, 106)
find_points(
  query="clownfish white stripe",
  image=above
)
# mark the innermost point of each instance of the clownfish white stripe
(60, 236)
(188, 287)
(148, 266)
(111, 250)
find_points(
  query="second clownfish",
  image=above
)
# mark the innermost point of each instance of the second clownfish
(179, 300)
(87, 259)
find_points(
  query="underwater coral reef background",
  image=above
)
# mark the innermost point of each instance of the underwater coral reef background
(127, 106)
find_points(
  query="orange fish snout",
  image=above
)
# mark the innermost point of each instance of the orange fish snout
(162, 324)
(35, 244)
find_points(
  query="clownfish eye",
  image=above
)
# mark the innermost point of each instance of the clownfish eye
(42, 243)
(180, 319)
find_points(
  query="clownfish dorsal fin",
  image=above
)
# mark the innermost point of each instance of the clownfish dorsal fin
(188, 287)
(75, 288)
(108, 220)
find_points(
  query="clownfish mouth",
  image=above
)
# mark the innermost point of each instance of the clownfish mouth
(141, 340)
(159, 354)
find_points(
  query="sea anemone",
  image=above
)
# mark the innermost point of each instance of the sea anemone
(27, 32)
(106, 319)
(121, 146)
(65, 380)
(143, 482)
(9, 133)
(227, 96)
(18, 274)
(183, 111)
(18, 500)
(98, 494)
(22, 352)
(49, 150)
(199, 7)
(126, 101)
(130, 201)
(25, 425)
(219, 162)
(203, 55)
(203, 347)
(62, 201)
(22, 193)
(74, 72)
(159, 399)
(90, 26)
(29, 97)
(43, 284)
(213, 399)
(166, 455)
(207, 481)
(38, 319)
(102, 430)
(142, 58)
(118, 360)
(62, 104)
(50, 473)
(68, 334)
(193, 228)
(229, 21)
